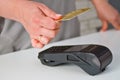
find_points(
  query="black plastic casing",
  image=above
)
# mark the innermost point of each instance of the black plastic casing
(93, 59)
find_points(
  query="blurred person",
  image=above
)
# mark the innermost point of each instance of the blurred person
(107, 13)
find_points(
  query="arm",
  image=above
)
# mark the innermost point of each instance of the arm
(38, 20)
(107, 14)
(7, 8)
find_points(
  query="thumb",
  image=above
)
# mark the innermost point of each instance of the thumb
(104, 25)
(50, 13)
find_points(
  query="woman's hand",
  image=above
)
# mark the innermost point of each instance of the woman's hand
(39, 21)
(107, 14)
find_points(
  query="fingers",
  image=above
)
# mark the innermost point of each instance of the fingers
(43, 38)
(48, 33)
(104, 25)
(48, 12)
(48, 23)
(40, 41)
(114, 21)
(44, 32)
(36, 43)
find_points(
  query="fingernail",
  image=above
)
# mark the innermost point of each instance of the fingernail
(58, 15)
(39, 46)
(44, 40)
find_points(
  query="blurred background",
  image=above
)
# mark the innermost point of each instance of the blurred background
(89, 22)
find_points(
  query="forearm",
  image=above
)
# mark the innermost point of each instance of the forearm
(8, 8)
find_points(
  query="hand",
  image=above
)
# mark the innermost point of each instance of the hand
(39, 21)
(107, 14)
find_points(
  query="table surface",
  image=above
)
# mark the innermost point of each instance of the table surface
(25, 65)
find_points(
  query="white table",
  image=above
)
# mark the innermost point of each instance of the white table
(24, 65)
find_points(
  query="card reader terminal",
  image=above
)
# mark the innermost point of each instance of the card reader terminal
(92, 58)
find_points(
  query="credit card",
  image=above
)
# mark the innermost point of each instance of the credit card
(73, 14)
